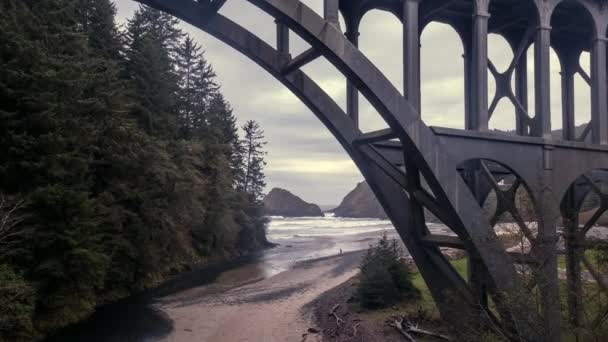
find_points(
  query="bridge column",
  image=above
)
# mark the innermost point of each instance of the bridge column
(599, 89)
(542, 84)
(573, 260)
(331, 11)
(352, 93)
(282, 38)
(569, 63)
(521, 93)
(478, 120)
(411, 53)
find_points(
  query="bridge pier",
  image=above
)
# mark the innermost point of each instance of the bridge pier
(478, 119)
(599, 91)
(542, 81)
(352, 93)
(411, 53)
(522, 120)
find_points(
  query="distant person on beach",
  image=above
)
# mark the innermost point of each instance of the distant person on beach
(340, 251)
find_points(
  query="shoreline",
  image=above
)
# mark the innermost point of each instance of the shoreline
(135, 317)
(269, 309)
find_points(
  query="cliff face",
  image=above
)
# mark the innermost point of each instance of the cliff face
(360, 203)
(280, 202)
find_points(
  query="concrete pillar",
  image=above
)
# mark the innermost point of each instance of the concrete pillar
(521, 93)
(479, 68)
(542, 84)
(569, 62)
(468, 91)
(331, 11)
(573, 260)
(352, 93)
(282, 38)
(599, 90)
(411, 53)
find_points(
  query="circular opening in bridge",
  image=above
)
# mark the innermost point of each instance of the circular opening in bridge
(507, 203)
(584, 251)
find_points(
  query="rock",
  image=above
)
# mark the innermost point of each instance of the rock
(360, 203)
(280, 202)
(313, 331)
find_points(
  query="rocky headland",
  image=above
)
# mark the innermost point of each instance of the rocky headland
(280, 202)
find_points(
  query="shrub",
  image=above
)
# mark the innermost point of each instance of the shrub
(385, 279)
(16, 306)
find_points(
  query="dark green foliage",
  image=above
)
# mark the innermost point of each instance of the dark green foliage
(120, 157)
(17, 299)
(253, 155)
(385, 278)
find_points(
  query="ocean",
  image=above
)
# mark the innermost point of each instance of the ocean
(306, 238)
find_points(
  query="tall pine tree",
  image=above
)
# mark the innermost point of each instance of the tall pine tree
(253, 153)
(152, 39)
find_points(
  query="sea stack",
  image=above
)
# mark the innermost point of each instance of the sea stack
(360, 203)
(280, 202)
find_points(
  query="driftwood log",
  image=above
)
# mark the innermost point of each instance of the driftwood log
(410, 328)
(406, 329)
(398, 325)
(332, 312)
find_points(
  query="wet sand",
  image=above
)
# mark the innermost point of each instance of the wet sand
(249, 309)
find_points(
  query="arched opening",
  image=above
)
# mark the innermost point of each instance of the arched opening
(585, 257)
(501, 112)
(510, 208)
(442, 82)
(506, 199)
(582, 94)
(385, 53)
(508, 78)
(571, 36)
(556, 94)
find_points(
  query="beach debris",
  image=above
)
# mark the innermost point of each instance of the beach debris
(398, 325)
(415, 330)
(405, 327)
(332, 312)
(313, 331)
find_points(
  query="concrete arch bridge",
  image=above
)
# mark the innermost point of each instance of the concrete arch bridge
(451, 173)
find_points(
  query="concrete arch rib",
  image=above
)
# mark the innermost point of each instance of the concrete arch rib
(417, 139)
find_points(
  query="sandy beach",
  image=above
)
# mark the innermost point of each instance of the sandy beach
(271, 309)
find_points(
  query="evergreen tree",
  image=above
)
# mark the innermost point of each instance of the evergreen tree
(114, 198)
(253, 152)
(48, 105)
(152, 39)
(97, 20)
(197, 85)
(221, 118)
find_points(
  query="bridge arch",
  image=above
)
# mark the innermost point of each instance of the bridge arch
(417, 151)
(583, 210)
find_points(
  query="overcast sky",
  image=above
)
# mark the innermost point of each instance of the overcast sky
(303, 157)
